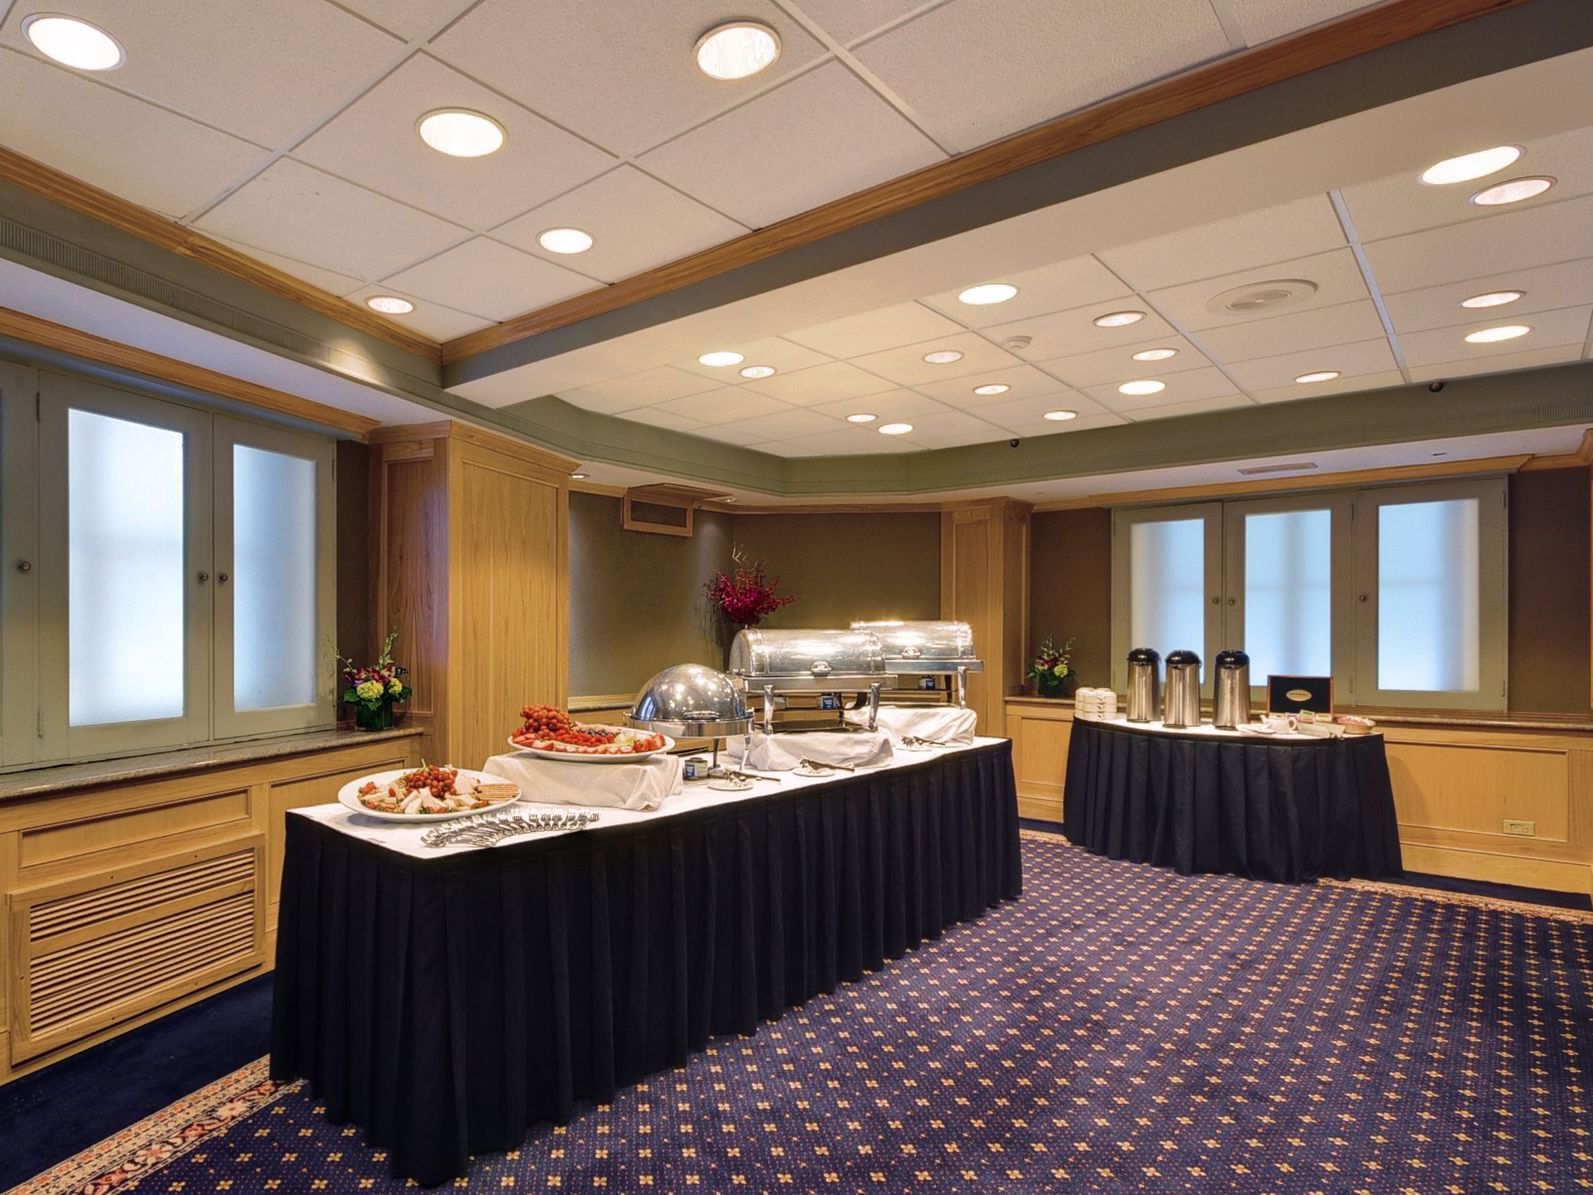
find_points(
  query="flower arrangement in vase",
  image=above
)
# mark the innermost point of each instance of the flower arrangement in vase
(374, 689)
(746, 595)
(1052, 670)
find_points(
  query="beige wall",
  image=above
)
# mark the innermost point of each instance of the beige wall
(1070, 587)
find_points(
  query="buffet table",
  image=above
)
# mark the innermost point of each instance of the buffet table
(1204, 800)
(446, 999)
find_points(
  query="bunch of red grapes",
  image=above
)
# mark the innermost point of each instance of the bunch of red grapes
(439, 780)
(547, 722)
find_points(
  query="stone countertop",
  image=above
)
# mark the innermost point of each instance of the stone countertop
(1460, 719)
(43, 781)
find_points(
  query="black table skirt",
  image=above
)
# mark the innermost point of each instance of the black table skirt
(1290, 811)
(446, 1005)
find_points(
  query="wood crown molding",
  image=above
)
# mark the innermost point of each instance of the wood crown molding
(468, 433)
(129, 217)
(1580, 459)
(1249, 70)
(58, 337)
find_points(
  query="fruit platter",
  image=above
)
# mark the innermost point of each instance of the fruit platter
(552, 734)
(428, 793)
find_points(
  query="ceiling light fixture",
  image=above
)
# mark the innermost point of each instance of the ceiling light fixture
(389, 304)
(1118, 319)
(1494, 298)
(1469, 166)
(943, 356)
(737, 50)
(74, 43)
(992, 388)
(758, 371)
(862, 417)
(1155, 354)
(1512, 191)
(987, 293)
(895, 429)
(1142, 387)
(565, 240)
(1317, 375)
(721, 358)
(1496, 334)
(577, 476)
(461, 133)
(1060, 416)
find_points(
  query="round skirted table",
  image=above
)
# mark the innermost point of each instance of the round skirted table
(1202, 800)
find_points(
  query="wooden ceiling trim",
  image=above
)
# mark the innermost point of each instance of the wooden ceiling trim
(85, 345)
(1274, 62)
(89, 200)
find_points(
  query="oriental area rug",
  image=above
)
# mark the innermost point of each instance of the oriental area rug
(1119, 1028)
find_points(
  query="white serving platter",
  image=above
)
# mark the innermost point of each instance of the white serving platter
(348, 796)
(576, 757)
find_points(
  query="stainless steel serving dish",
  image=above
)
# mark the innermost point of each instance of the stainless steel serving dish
(691, 701)
(775, 663)
(929, 647)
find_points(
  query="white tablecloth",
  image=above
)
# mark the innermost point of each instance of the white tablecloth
(1205, 728)
(938, 723)
(644, 784)
(782, 751)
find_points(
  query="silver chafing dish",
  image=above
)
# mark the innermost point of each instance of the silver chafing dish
(692, 701)
(776, 663)
(929, 648)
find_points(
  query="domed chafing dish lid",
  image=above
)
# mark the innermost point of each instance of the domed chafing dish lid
(813, 654)
(691, 701)
(925, 645)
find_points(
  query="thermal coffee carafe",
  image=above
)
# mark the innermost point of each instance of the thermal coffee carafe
(1181, 705)
(1231, 706)
(1143, 663)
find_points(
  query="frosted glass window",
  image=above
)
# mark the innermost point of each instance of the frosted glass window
(1428, 605)
(273, 579)
(1167, 586)
(1289, 593)
(127, 570)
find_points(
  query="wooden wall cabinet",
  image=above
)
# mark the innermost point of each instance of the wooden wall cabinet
(471, 552)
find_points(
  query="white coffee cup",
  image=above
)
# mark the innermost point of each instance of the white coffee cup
(1280, 723)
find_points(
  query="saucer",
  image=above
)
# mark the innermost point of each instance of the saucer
(730, 786)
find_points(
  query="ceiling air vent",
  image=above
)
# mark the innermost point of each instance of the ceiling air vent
(1261, 298)
(664, 509)
(1262, 470)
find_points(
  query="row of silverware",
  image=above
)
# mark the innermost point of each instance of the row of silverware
(488, 829)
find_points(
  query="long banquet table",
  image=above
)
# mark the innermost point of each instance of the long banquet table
(446, 999)
(1203, 800)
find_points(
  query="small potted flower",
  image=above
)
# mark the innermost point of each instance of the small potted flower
(747, 595)
(1052, 670)
(374, 689)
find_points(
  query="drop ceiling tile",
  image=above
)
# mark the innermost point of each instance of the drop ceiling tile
(906, 365)
(1182, 388)
(636, 223)
(1511, 240)
(407, 18)
(875, 331)
(303, 213)
(721, 405)
(1030, 412)
(976, 70)
(1069, 333)
(1361, 357)
(327, 280)
(1503, 363)
(1263, 20)
(1567, 284)
(726, 434)
(655, 417)
(1401, 203)
(771, 350)
(130, 148)
(1199, 407)
(848, 20)
(1317, 328)
(1550, 329)
(1347, 385)
(819, 384)
(602, 404)
(650, 386)
(1033, 428)
(850, 441)
(374, 143)
(1117, 364)
(890, 406)
(1056, 287)
(1336, 275)
(491, 280)
(812, 139)
(429, 319)
(621, 75)
(261, 71)
(787, 424)
(1025, 381)
(953, 429)
(1287, 231)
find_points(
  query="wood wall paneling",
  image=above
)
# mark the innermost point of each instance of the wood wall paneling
(984, 582)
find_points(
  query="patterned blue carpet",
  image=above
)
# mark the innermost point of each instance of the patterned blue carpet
(1121, 1028)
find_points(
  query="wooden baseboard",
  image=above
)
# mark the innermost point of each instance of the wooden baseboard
(1494, 868)
(1043, 809)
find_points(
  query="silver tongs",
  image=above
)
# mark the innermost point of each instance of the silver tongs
(489, 829)
(751, 778)
(820, 763)
(913, 740)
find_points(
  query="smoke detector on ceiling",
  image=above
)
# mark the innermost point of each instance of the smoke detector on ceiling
(1017, 343)
(1254, 298)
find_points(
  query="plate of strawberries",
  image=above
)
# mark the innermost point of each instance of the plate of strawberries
(551, 733)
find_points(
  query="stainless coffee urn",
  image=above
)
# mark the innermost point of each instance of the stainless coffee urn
(1230, 708)
(1143, 664)
(1181, 703)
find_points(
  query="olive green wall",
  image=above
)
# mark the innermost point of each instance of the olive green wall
(1549, 591)
(1070, 587)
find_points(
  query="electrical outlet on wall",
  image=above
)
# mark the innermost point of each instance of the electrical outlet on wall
(1516, 826)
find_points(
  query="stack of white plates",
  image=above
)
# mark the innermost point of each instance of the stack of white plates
(1095, 704)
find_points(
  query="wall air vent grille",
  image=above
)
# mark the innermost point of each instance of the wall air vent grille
(1291, 467)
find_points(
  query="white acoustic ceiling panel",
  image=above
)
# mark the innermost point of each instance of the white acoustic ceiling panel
(491, 280)
(1117, 364)
(906, 365)
(848, 20)
(1497, 363)
(1349, 360)
(724, 404)
(428, 318)
(1549, 329)
(772, 352)
(1545, 288)
(1262, 20)
(408, 18)
(1055, 287)
(1310, 329)
(1192, 306)
(820, 384)
(1533, 235)
(1069, 333)
(889, 406)
(875, 331)
(651, 386)
(1189, 386)
(1022, 381)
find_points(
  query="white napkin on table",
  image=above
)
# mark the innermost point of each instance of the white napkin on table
(645, 784)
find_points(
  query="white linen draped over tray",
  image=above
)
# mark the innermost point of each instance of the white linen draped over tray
(641, 785)
(949, 724)
(782, 751)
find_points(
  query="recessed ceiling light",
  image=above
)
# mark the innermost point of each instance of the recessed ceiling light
(74, 43)
(1317, 375)
(577, 476)
(1494, 335)
(992, 388)
(389, 304)
(943, 356)
(1145, 386)
(986, 293)
(1512, 191)
(1118, 319)
(1060, 416)
(1494, 298)
(758, 371)
(1469, 166)
(565, 240)
(1155, 354)
(861, 417)
(461, 133)
(720, 358)
(737, 50)
(895, 429)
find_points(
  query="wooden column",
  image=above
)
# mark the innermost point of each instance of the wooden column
(984, 581)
